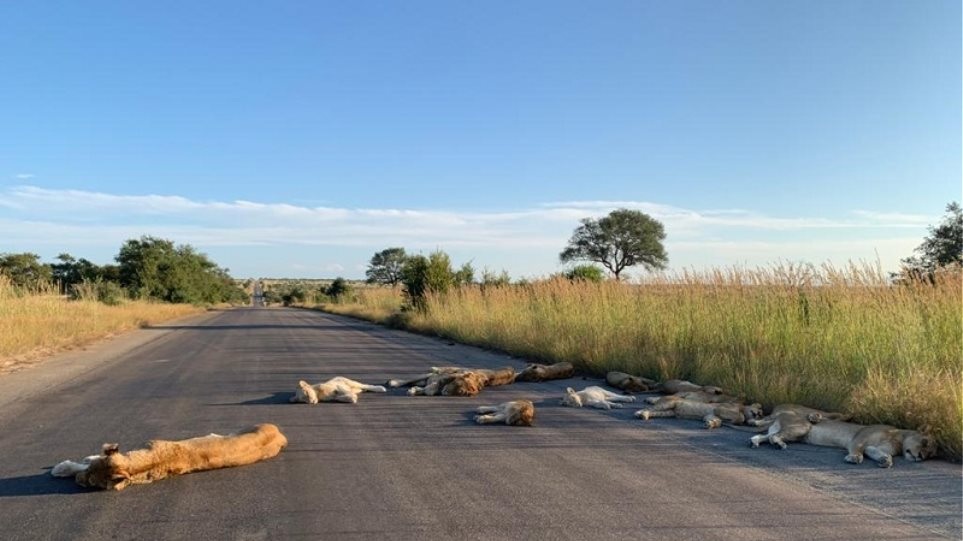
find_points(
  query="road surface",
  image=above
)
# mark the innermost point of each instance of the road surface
(401, 467)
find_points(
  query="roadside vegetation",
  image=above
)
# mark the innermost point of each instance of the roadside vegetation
(47, 307)
(40, 321)
(883, 347)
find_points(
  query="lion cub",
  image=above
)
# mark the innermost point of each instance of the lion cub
(595, 397)
(336, 389)
(514, 413)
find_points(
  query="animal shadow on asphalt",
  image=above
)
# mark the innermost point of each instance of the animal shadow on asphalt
(283, 397)
(37, 485)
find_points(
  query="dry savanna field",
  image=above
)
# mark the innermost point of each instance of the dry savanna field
(40, 322)
(835, 338)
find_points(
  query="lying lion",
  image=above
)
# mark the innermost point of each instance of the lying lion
(115, 470)
(595, 397)
(673, 386)
(514, 413)
(700, 396)
(336, 389)
(711, 414)
(630, 383)
(789, 423)
(540, 372)
(879, 442)
(455, 381)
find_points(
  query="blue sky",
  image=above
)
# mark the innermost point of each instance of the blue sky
(297, 138)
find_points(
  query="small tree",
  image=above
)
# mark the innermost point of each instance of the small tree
(585, 273)
(465, 275)
(338, 288)
(386, 266)
(622, 239)
(25, 270)
(491, 279)
(426, 274)
(943, 246)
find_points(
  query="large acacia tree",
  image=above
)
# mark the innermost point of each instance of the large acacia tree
(622, 239)
(943, 246)
(386, 266)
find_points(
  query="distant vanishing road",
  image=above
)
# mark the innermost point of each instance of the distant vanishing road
(399, 467)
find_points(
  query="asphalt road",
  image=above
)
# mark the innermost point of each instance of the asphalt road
(401, 467)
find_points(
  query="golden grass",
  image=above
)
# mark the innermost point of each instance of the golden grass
(841, 339)
(37, 323)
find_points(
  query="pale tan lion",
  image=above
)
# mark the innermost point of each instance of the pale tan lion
(514, 413)
(711, 414)
(673, 386)
(540, 372)
(115, 470)
(336, 389)
(879, 442)
(630, 383)
(595, 397)
(789, 423)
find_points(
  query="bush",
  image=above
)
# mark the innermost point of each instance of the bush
(109, 293)
(587, 273)
(339, 288)
(422, 275)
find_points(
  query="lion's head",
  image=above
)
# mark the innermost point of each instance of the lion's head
(918, 447)
(106, 471)
(305, 393)
(465, 384)
(571, 398)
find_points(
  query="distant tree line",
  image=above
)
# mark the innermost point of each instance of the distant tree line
(147, 268)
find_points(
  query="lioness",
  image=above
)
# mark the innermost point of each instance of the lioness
(336, 389)
(630, 383)
(712, 415)
(540, 372)
(700, 396)
(879, 442)
(115, 470)
(789, 423)
(514, 413)
(673, 386)
(595, 397)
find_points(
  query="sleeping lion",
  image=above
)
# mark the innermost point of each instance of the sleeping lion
(630, 383)
(541, 372)
(336, 389)
(711, 414)
(113, 470)
(789, 423)
(878, 442)
(595, 397)
(455, 381)
(514, 413)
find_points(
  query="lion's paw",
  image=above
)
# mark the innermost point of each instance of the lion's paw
(645, 415)
(854, 459)
(885, 462)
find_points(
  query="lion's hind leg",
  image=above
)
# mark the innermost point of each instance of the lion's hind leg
(490, 418)
(373, 388)
(486, 409)
(650, 413)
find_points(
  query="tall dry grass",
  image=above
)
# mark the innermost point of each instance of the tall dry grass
(37, 322)
(834, 338)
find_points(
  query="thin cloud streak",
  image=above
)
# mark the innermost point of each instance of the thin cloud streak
(31, 215)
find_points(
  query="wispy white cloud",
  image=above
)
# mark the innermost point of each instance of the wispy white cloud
(24, 176)
(30, 215)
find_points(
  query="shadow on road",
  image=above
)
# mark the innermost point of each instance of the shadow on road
(37, 485)
(276, 398)
(339, 328)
